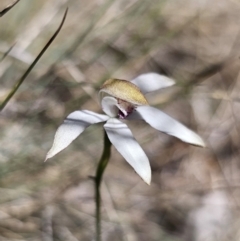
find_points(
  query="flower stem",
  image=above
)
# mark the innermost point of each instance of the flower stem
(99, 173)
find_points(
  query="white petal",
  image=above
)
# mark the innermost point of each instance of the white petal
(72, 127)
(109, 106)
(122, 138)
(162, 122)
(152, 81)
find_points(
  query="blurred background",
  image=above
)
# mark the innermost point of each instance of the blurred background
(195, 192)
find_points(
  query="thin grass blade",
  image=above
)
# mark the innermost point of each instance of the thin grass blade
(21, 80)
(6, 9)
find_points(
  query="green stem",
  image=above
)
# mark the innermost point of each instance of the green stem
(99, 173)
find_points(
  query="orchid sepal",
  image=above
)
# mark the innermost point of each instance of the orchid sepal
(121, 137)
(72, 127)
(150, 82)
(165, 123)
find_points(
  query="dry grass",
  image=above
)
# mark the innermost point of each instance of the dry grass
(195, 43)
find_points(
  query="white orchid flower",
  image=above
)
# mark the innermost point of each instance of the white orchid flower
(121, 99)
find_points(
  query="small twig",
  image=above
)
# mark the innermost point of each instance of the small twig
(47, 223)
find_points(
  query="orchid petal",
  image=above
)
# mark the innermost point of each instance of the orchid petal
(152, 81)
(122, 138)
(164, 123)
(110, 106)
(72, 127)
